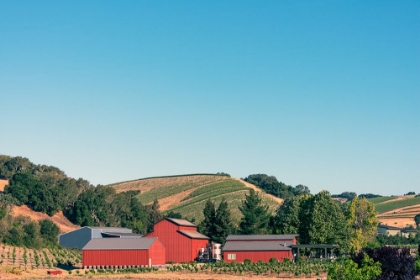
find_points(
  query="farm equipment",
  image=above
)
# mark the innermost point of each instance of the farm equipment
(211, 253)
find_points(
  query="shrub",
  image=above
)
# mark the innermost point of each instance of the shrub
(247, 261)
(396, 263)
(273, 261)
(348, 269)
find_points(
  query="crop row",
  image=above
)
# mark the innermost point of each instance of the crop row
(385, 207)
(228, 184)
(381, 199)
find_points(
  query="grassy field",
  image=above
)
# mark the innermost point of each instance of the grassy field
(187, 194)
(397, 204)
(382, 199)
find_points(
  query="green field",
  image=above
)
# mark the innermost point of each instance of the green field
(377, 200)
(389, 206)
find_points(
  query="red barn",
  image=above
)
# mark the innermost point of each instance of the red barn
(258, 247)
(180, 238)
(114, 252)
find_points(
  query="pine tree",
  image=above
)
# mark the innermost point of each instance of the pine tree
(223, 224)
(255, 215)
(207, 226)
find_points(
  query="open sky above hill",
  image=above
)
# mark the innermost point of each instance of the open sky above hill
(320, 93)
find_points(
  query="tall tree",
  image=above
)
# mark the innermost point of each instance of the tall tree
(223, 224)
(362, 221)
(207, 225)
(154, 215)
(417, 220)
(255, 215)
(287, 218)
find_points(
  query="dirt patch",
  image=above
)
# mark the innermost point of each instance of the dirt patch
(59, 219)
(275, 198)
(172, 201)
(3, 183)
(397, 222)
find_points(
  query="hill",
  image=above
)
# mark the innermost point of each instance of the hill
(397, 210)
(187, 194)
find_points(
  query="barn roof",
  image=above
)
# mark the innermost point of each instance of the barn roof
(181, 222)
(389, 227)
(121, 234)
(257, 246)
(120, 243)
(262, 237)
(193, 234)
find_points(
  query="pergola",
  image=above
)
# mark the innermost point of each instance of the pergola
(317, 246)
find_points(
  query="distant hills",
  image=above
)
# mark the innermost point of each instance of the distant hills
(187, 194)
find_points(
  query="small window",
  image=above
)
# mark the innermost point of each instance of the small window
(231, 256)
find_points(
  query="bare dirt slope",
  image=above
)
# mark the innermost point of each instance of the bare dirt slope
(275, 198)
(59, 219)
(3, 183)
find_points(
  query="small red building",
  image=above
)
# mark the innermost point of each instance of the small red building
(258, 247)
(114, 252)
(180, 238)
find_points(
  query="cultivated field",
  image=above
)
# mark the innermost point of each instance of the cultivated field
(188, 194)
(397, 211)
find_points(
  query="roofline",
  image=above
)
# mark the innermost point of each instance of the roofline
(168, 219)
(207, 238)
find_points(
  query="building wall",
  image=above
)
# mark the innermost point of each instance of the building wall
(157, 253)
(196, 245)
(179, 248)
(256, 256)
(75, 239)
(393, 232)
(115, 257)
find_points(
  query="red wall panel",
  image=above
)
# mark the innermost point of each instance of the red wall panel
(115, 257)
(179, 248)
(157, 253)
(255, 256)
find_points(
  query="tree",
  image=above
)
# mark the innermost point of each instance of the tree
(287, 218)
(207, 225)
(348, 269)
(154, 215)
(223, 224)
(48, 230)
(417, 220)
(255, 215)
(362, 221)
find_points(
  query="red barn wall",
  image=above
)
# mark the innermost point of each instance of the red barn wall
(157, 253)
(256, 256)
(115, 257)
(179, 248)
(196, 245)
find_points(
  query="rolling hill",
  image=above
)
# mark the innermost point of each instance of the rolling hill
(187, 194)
(397, 210)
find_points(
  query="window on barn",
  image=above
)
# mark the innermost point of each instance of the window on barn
(231, 256)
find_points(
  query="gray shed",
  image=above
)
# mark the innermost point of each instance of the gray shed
(80, 237)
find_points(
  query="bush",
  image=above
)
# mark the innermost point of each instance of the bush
(274, 261)
(247, 261)
(348, 269)
(396, 263)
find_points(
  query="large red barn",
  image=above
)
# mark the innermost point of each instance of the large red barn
(180, 238)
(113, 252)
(258, 247)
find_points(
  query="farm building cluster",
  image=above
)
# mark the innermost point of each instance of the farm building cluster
(172, 241)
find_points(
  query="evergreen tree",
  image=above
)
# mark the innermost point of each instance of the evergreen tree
(255, 215)
(287, 220)
(154, 215)
(223, 224)
(207, 225)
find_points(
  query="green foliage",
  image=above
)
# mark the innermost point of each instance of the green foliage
(347, 269)
(255, 215)
(217, 224)
(417, 220)
(274, 187)
(362, 221)
(380, 199)
(385, 207)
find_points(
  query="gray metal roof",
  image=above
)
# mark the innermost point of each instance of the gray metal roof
(181, 222)
(257, 246)
(193, 234)
(256, 237)
(121, 234)
(315, 246)
(120, 243)
(110, 228)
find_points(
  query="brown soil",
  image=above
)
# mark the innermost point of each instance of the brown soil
(398, 222)
(160, 275)
(3, 183)
(171, 201)
(62, 222)
(277, 199)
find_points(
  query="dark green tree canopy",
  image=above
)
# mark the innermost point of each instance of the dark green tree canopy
(255, 215)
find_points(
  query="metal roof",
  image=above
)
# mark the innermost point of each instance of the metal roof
(120, 243)
(193, 234)
(389, 227)
(120, 234)
(256, 237)
(181, 222)
(109, 228)
(257, 246)
(315, 246)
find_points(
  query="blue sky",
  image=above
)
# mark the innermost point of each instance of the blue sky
(320, 93)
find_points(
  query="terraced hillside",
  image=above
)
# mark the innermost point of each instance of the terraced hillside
(187, 194)
(397, 211)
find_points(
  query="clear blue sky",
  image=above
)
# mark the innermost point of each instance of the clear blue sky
(320, 93)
